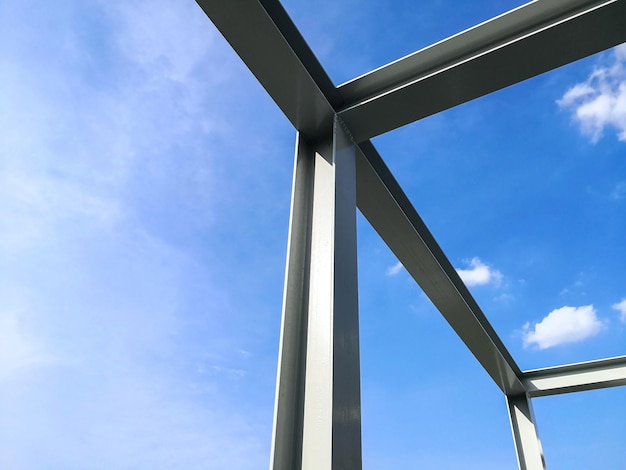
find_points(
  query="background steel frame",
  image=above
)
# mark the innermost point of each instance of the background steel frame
(317, 411)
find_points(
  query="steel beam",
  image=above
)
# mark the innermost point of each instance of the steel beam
(268, 42)
(265, 38)
(527, 444)
(286, 451)
(317, 423)
(520, 44)
(576, 377)
(389, 211)
(317, 412)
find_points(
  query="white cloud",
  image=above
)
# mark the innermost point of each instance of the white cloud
(395, 269)
(563, 325)
(479, 274)
(621, 308)
(600, 102)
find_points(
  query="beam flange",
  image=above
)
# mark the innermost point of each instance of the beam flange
(591, 375)
(520, 44)
(389, 211)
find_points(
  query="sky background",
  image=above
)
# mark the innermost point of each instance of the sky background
(145, 180)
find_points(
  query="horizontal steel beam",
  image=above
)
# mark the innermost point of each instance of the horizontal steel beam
(575, 377)
(389, 211)
(525, 42)
(265, 38)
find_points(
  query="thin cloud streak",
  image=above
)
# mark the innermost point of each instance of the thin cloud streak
(104, 311)
(621, 308)
(395, 269)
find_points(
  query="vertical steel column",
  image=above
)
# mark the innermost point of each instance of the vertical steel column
(317, 417)
(527, 443)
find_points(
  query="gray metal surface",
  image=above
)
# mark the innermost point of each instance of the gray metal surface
(317, 422)
(523, 43)
(286, 452)
(346, 366)
(576, 377)
(527, 444)
(270, 45)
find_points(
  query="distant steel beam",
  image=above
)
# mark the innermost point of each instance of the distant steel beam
(525, 42)
(265, 38)
(527, 444)
(575, 377)
(389, 211)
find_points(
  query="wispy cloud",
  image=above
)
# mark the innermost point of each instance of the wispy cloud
(621, 308)
(600, 101)
(395, 269)
(563, 325)
(619, 191)
(479, 274)
(109, 114)
(20, 351)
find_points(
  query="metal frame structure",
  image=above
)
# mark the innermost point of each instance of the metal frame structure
(317, 421)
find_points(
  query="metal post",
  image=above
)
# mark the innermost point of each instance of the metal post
(317, 420)
(527, 443)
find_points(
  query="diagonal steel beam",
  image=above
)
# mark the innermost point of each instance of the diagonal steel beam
(389, 211)
(525, 42)
(575, 377)
(265, 38)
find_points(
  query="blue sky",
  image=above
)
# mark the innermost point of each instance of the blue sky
(145, 179)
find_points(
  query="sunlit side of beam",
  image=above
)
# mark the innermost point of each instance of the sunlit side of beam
(576, 377)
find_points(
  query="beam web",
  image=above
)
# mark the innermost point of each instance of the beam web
(527, 444)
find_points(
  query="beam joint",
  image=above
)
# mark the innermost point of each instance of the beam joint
(267, 41)
(569, 378)
(523, 43)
